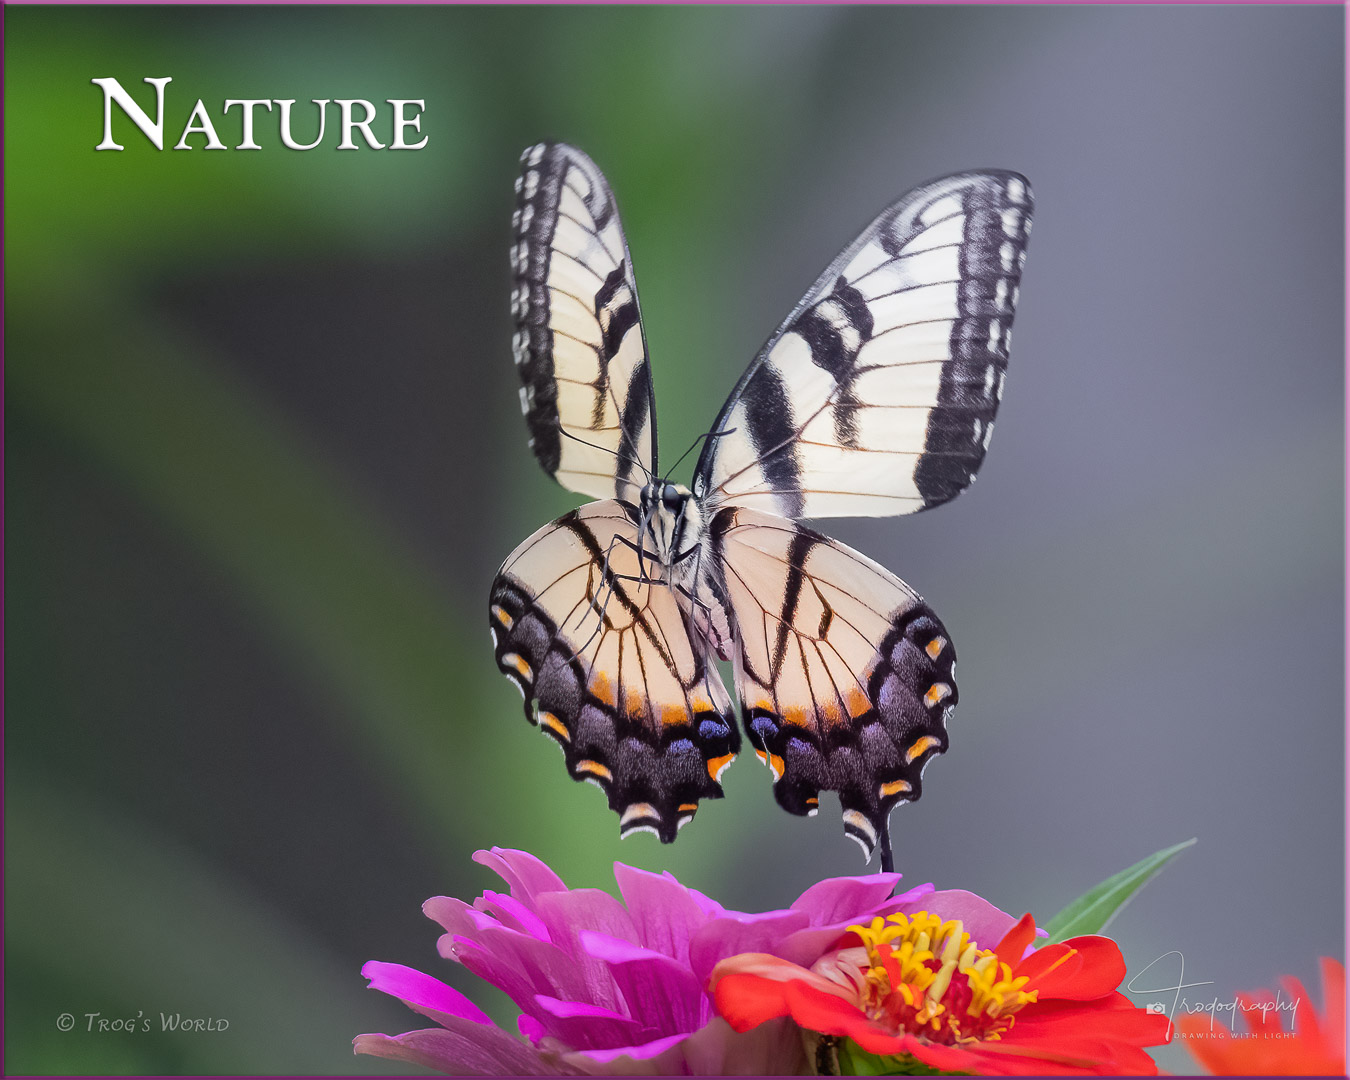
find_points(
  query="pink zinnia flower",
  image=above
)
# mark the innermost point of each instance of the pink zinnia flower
(614, 987)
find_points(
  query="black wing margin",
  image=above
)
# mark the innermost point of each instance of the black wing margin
(877, 394)
(586, 387)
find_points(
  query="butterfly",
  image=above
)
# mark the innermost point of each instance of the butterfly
(875, 397)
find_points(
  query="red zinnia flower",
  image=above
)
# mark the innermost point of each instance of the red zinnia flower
(1315, 1046)
(918, 987)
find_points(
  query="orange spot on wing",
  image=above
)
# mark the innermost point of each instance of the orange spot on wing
(594, 768)
(554, 724)
(673, 715)
(688, 807)
(856, 702)
(934, 648)
(813, 801)
(895, 787)
(936, 693)
(637, 705)
(603, 689)
(773, 761)
(920, 747)
(796, 716)
(717, 764)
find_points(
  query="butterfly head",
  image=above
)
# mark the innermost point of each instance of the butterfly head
(671, 520)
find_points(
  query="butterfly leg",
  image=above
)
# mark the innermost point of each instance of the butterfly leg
(884, 846)
(643, 555)
(607, 578)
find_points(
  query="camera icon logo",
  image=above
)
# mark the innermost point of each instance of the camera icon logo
(1157, 1007)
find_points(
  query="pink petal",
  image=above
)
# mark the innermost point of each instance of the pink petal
(531, 1028)
(455, 915)
(565, 914)
(473, 1051)
(586, 1027)
(985, 923)
(737, 933)
(806, 947)
(663, 912)
(523, 966)
(662, 991)
(772, 1049)
(845, 898)
(708, 905)
(527, 876)
(641, 1052)
(511, 913)
(421, 991)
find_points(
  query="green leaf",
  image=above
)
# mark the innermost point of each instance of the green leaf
(1092, 911)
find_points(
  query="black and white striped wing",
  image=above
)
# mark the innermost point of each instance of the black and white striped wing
(607, 667)
(877, 395)
(586, 387)
(845, 675)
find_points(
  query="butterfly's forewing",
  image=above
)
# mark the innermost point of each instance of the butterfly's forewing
(877, 395)
(586, 385)
(845, 676)
(607, 667)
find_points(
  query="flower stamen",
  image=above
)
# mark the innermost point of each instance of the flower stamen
(926, 977)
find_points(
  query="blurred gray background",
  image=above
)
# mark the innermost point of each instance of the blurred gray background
(264, 455)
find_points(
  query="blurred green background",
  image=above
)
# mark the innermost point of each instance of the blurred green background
(263, 456)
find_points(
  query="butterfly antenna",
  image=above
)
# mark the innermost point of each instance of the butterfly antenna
(604, 449)
(705, 435)
(577, 438)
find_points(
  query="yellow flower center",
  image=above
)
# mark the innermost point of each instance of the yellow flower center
(927, 978)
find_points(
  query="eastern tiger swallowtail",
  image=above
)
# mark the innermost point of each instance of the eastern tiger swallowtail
(876, 396)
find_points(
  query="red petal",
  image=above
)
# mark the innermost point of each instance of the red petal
(1305, 1016)
(1049, 1058)
(1113, 1017)
(1333, 1007)
(1215, 1050)
(746, 1001)
(1224, 1055)
(1016, 941)
(955, 1059)
(1265, 1023)
(1095, 970)
(817, 1011)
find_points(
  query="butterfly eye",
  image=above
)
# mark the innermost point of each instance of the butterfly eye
(671, 497)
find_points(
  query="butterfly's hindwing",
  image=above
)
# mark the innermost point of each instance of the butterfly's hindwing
(878, 393)
(845, 676)
(585, 381)
(607, 668)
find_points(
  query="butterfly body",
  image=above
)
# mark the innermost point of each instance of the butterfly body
(875, 397)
